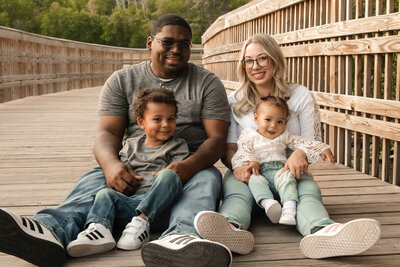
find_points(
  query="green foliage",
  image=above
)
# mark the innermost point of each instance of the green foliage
(124, 23)
(19, 14)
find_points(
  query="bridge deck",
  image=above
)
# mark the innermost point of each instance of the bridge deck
(46, 144)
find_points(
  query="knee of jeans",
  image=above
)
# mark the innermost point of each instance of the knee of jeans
(105, 192)
(307, 188)
(166, 177)
(209, 179)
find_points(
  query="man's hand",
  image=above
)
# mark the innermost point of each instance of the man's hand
(122, 178)
(296, 163)
(182, 169)
(242, 173)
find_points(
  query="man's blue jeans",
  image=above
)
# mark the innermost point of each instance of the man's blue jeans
(110, 205)
(200, 193)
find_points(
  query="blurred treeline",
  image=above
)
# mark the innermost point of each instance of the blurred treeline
(125, 23)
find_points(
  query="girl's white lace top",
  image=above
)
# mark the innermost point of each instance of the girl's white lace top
(253, 146)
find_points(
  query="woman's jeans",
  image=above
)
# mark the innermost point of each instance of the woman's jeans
(110, 205)
(200, 193)
(238, 203)
(268, 185)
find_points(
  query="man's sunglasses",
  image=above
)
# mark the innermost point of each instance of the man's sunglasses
(167, 44)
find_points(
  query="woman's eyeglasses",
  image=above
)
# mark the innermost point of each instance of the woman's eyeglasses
(263, 61)
(167, 44)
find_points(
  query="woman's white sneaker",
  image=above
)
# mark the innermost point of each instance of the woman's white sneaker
(215, 227)
(339, 239)
(136, 233)
(180, 250)
(94, 240)
(29, 240)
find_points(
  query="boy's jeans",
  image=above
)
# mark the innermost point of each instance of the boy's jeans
(110, 205)
(200, 193)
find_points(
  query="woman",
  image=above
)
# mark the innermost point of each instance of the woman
(261, 71)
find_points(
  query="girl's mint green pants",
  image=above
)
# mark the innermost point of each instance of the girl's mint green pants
(238, 203)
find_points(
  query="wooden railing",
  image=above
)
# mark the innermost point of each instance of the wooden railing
(32, 64)
(346, 52)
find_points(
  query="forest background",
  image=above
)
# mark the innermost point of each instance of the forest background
(124, 23)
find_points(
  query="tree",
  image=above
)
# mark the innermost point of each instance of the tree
(71, 24)
(19, 14)
(127, 27)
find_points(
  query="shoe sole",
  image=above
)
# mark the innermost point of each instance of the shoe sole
(14, 241)
(214, 227)
(89, 249)
(355, 237)
(274, 212)
(195, 254)
(125, 246)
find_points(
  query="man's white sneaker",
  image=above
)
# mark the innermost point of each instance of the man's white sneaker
(29, 240)
(180, 250)
(95, 239)
(288, 216)
(215, 227)
(339, 239)
(136, 233)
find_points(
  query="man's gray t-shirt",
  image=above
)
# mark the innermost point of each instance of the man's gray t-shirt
(201, 95)
(145, 160)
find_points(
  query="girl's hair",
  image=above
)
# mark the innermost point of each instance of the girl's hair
(248, 89)
(275, 101)
(154, 95)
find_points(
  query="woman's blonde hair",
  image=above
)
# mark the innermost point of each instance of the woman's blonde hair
(249, 98)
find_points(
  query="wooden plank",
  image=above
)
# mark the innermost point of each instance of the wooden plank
(347, 194)
(383, 107)
(364, 125)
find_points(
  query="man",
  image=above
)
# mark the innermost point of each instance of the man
(203, 121)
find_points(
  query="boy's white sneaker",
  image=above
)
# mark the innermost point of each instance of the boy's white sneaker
(94, 240)
(339, 239)
(180, 250)
(215, 227)
(136, 233)
(288, 216)
(29, 240)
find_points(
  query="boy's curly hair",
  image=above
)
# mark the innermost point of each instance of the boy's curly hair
(154, 95)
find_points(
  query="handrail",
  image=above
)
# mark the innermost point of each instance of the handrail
(346, 53)
(32, 64)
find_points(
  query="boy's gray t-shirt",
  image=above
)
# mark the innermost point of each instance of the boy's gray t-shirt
(145, 160)
(201, 95)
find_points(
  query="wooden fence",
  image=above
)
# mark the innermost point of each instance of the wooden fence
(32, 64)
(346, 52)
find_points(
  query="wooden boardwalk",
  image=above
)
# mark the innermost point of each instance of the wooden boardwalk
(46, 144)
